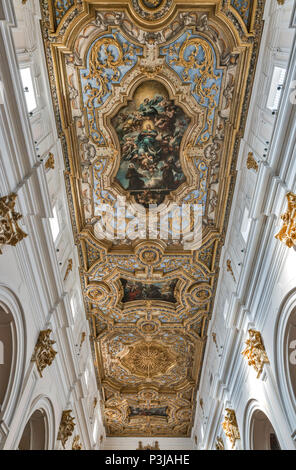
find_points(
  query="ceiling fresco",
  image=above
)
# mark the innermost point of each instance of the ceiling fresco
(151, 99)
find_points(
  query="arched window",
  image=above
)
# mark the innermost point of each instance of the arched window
(1, 353)
(6, 352)
(290, 351)
(285, 360)
(34, 436)
(12, 357)
(263, 435)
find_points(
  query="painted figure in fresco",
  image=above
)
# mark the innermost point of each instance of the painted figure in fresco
(133, 411)
(134, 177)
(134, 290)
(150, 131)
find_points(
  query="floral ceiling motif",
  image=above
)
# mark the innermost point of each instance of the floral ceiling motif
(151, 99)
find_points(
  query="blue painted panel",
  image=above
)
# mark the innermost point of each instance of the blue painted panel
(193, 58)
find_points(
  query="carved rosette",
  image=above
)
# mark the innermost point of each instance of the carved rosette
(44, 353)
(66, 428)
(10, 232)
(287, 234)
(148, 327)
(255, 352)
(199, 293)
(150, 253)
(230, 426)
(99, 293)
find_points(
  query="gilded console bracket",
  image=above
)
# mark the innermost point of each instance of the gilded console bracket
(255, 352)
(44, 353)
(230, 426)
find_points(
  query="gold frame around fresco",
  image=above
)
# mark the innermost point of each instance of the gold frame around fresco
(118, 394)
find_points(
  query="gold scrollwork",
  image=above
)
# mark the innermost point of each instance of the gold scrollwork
(61, 7)
(205, 67)
(243, 8)
(97, 80)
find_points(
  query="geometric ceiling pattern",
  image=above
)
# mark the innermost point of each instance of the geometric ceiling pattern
(150, 99)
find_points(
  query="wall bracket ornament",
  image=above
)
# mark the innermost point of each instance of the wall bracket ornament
(229, 269)
(287, 234)
(66, 428)
(251, 162)
(69, 269)
(44, 353)
(76, 444)
(10, 232)
(255, 352)
(50, 162)
(230, 426)
(219, 443)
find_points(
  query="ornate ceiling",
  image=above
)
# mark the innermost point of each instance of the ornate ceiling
(151, 98)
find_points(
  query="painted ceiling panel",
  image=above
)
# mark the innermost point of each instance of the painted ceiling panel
(151, 99)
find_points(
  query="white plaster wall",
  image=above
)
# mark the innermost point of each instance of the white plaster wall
(263, 267)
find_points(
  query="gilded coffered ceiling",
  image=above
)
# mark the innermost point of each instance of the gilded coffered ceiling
(151, 98)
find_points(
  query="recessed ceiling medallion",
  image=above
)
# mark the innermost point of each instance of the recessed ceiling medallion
(152, 10)
(147, 360)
